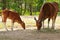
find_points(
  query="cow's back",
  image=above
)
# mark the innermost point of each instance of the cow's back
(55, 4)
(47, 11)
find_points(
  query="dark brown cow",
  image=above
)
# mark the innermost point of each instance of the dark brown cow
(14, 16)
(56, 7)
(48, 10)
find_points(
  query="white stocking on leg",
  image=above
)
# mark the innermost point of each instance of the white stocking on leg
(12, 26)
(5, 26)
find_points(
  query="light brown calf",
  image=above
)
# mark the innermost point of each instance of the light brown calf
(14, 16)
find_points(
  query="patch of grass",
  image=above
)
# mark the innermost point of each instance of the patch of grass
(47, 30)
(9, 38)
(58, 13)
(8, 25)
(28, 13)
(1, 25)
(35, 13)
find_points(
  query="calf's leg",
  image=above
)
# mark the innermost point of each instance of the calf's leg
(12, 25)
(4, 22)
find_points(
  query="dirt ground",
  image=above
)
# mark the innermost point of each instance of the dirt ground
(30, 33)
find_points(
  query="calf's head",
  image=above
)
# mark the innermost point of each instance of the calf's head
(23, 25)
(38, 23)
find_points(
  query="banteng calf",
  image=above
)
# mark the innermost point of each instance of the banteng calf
(14, 16)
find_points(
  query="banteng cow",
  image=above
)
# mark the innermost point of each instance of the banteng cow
(48, 10)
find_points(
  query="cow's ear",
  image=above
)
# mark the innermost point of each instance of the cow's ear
(39, 21)
(35, 19)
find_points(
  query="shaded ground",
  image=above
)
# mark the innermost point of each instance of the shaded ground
(29, 35)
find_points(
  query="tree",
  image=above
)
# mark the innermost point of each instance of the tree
(39, 4)
(4, 4)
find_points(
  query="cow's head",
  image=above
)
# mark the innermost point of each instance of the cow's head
(38, 23)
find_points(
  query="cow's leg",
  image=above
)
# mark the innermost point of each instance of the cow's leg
(48, 22)
(53, 21)
(43, 24)
(12, 25)
(4, 22)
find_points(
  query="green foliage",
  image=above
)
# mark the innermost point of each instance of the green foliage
(40, 2)
(58, 13)
(34, 13)
(22, 5)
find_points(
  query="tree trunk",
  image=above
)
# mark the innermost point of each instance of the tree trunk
(24, 8)
(30, 8)
(21, 9)
(4, 4)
